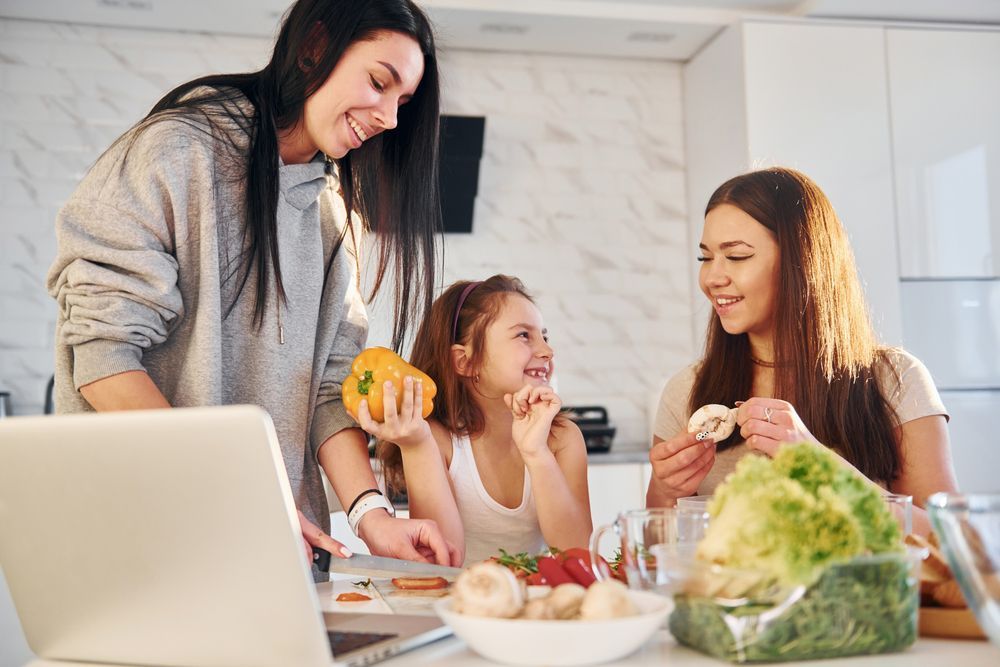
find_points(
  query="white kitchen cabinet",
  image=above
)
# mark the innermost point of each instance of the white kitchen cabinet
(340, 530)
(812, 97)
(973, 439)
(953, 326)
(614, 487)
(944, 88)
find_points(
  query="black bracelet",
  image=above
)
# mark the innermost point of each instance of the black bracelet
(360, 496)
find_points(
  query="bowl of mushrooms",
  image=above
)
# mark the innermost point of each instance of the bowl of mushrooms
(502, 619)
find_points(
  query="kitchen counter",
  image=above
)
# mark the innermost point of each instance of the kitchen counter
(621, 453)
(663, 650)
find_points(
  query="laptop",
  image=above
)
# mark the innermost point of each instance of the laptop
(169, 537)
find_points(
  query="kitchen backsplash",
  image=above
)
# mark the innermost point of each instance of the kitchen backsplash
(581, 193)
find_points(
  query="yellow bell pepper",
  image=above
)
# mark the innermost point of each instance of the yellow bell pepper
(369, 373)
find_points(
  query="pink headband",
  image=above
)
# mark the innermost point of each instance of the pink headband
(458, 309)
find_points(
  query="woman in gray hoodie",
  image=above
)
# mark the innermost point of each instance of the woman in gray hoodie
(211, 254)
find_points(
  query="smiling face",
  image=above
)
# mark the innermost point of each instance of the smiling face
(516, 350)
(358, 100)
(739, 271)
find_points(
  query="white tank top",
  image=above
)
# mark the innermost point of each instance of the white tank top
(489, 526)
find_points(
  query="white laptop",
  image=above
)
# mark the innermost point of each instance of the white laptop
(169, 537)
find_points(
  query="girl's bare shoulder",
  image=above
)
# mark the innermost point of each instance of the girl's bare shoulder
(442, 436)
(565, 436)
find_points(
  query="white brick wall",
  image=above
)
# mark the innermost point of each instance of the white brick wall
(581, 192)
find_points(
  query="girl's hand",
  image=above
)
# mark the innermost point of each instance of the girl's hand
(408, 427)
(679, 466)
(766, 423)
(533, 408)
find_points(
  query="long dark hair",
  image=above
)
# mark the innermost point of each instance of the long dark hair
(454, 406)
(391, 180)
(826, 353)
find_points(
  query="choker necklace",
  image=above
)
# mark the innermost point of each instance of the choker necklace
(761, 362)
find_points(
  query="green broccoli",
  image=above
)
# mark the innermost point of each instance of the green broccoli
(795, 514)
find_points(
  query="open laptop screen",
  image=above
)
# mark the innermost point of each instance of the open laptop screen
(163, 537)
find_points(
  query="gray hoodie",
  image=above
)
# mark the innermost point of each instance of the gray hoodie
(148, 252)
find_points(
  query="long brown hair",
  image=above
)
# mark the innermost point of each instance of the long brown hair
(826, 352)
(454, 406)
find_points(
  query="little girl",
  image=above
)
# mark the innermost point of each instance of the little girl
(514, 471)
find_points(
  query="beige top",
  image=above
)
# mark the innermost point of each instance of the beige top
(912, 396)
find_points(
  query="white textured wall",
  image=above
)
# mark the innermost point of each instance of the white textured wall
(581, 192)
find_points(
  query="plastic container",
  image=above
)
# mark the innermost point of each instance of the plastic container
(864, 606)
(969, 528)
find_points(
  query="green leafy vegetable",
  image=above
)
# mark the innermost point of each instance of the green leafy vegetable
(794, 515)
(809, 526)
(862, 607)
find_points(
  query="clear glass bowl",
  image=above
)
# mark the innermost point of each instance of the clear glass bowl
(969, 530)
(863, 606)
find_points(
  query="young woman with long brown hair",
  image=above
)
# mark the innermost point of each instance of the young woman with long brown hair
(791, 345)
(496, 466)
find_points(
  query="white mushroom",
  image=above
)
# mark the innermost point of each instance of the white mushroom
(607, 599)
(565, 600)
(488, 589)
(538, 610)
(716, 420)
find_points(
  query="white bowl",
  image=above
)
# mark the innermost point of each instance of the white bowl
(532, 642)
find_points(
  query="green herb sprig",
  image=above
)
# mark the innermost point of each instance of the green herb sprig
(522, 561)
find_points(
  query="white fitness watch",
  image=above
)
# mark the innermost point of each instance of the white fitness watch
(370, 502)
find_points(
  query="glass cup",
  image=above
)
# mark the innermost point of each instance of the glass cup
(699, 503)
(969, 529)
(901, 507)
(651, 541)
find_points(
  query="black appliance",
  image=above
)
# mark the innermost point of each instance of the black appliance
(461, 147)
(597, 431)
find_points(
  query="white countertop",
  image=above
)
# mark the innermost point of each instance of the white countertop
(627, 453)
(663, 650)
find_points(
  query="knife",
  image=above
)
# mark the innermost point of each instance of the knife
(379, 566)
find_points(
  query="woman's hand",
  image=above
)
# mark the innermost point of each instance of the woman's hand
(409, 539)
(767, 423)
(679, 466)
(408, 427)
(312, 536)
(533, 409)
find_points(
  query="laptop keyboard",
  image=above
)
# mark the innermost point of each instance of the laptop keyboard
(345, 642)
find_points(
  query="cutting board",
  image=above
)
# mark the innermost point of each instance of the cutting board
(328, 592)
(952, 623)
(419, 603)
